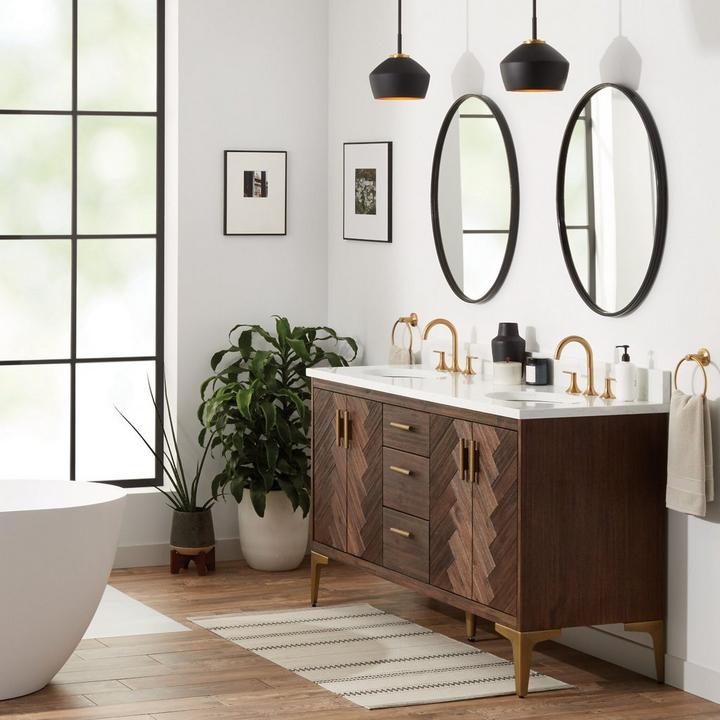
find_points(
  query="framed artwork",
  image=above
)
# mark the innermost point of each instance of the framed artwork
(255, 192)
(367, 191)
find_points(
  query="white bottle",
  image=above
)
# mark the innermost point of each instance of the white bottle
(625, 377)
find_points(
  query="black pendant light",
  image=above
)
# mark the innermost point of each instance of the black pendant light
(534, 66)
(399, 77)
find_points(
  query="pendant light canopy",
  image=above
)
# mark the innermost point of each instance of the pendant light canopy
(399, 77)
(534, 66)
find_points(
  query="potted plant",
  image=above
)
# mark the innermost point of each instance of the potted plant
(192, 533)
(256, 404)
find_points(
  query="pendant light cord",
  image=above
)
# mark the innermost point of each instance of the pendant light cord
(534, 20)
(399, 37)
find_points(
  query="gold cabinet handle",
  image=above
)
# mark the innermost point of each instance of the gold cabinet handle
(462, 459)
(338, 429)
(346, 429)
(400, 471)
(471, 463)
(402, 533)
(401, 426)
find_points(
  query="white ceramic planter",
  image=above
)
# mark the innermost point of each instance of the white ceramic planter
(277, 541)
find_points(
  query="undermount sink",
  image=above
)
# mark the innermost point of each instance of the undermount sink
(531, 396)
(408, 373)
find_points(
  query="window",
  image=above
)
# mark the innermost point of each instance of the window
(81, 238)
(486, 197)
(580, 202)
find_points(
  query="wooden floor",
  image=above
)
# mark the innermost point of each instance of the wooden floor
(198, 676)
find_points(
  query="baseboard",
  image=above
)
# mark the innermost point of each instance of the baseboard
(692, 678)
(634, 654)
(131, 556)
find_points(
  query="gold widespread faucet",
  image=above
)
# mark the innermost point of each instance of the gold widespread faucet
(590, 390)
(453, 331)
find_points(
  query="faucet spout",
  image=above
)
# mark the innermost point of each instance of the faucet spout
(590, 390)
(453, 332)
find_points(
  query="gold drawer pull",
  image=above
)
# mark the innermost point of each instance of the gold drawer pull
(338, 428)
(402, 533)
(401, 426)
(399, 470)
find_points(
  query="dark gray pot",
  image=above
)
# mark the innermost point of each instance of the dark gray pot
(192, 530)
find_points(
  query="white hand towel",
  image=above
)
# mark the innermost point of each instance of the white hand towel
(690, 482)
(400, 355)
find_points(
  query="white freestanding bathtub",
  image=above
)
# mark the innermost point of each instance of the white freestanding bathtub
(57, 543)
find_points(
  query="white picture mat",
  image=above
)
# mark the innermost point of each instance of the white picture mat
(254, 215)
(367, 227)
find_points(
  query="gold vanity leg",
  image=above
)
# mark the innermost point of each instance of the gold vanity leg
(522, 645)
(316, 560)
(656, 630)
(470, 626)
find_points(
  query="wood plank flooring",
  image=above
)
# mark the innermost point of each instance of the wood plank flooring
(198, 676)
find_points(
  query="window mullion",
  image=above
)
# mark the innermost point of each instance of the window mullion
(73, 241)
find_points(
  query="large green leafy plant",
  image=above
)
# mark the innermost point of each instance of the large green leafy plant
(256, 405)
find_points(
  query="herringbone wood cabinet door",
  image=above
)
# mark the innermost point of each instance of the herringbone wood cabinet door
(450, 508)
(329, 472)
(364, 479)
(494, 523)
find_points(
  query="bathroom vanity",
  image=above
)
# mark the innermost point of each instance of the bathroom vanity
(532, 509)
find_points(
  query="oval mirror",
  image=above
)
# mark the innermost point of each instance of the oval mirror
(612, 199)
(475, 198)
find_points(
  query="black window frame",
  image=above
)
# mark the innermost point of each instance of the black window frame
(158, 358)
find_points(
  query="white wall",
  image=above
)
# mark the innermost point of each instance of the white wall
(670, 51)
(252, 76)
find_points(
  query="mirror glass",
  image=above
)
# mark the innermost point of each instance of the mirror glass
(612, 199)
(475, 198)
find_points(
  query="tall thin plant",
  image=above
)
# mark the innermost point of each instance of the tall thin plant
(183, 496)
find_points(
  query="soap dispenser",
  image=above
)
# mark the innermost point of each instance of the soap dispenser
(625, 377)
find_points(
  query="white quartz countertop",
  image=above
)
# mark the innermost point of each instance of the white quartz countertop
(481, 395)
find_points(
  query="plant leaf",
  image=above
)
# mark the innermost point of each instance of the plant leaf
(258, 498)
(243, 398)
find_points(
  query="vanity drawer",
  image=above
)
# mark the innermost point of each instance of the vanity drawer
(407, 430)
(406, 482)
(405, 544)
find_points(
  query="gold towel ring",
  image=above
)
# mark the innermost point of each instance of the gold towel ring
(411, 321)
(702, 358)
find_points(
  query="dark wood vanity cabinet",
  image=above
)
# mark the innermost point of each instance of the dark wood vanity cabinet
(473, 511)
(347, 474)
(535, 525)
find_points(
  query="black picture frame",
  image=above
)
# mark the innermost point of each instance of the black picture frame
(226, 155)
(389, 146)
(514, 201)
(661, 189)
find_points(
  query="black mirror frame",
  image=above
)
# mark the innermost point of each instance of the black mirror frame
(661, 187)
(515, 198)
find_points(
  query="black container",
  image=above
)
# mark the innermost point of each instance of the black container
(508, 346)
(537, 371)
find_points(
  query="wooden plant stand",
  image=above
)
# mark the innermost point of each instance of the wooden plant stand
(204, 560)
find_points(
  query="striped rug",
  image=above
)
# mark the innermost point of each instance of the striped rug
(372, 658)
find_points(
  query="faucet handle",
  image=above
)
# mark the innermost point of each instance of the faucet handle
(573, 388)
(469, 370)
(608, 394)
(442, 365)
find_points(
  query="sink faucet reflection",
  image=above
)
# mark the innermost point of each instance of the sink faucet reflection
(590, 390)
(453, 331)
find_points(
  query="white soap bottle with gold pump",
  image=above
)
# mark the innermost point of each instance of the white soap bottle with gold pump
(625, 377)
